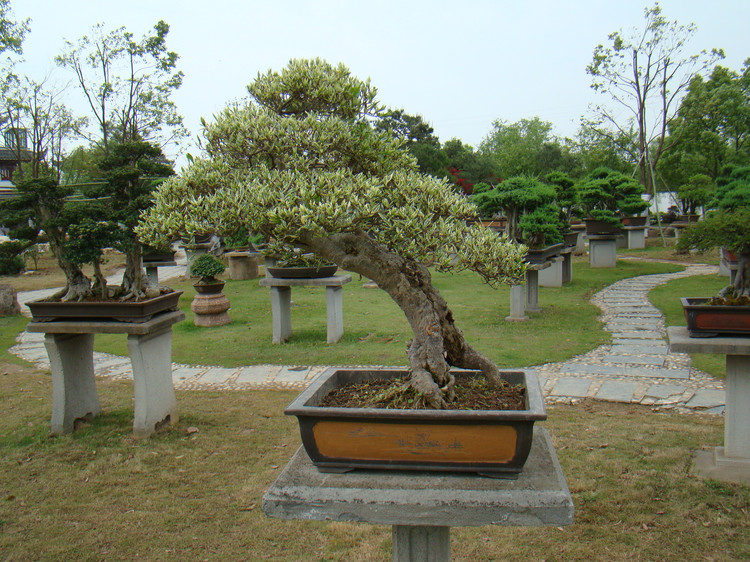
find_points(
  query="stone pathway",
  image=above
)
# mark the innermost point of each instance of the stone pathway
(636, 368)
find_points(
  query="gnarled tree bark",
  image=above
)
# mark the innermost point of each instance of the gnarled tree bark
(438, 344)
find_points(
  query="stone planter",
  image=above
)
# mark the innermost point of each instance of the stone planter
(127, 311)
(303, 272)
(209, 288)
(541, 255)
(634, 221)
(494, 443)
(594, 226)
(704, 320)
(210, 310)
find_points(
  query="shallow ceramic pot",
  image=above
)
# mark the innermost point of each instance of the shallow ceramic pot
(303, 272)
(128, 311)
(492, 442)
(704, 320)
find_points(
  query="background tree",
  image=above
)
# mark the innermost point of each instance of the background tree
(645, 74)
(301, 165)
(128, 85)
(467, 167)
(526, 147)
(419, 139)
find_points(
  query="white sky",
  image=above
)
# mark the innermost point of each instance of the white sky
(460, 64)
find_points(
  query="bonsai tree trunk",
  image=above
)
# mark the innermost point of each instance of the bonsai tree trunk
(77, 286)
(438, 344)
(135, 283)
(741, 285)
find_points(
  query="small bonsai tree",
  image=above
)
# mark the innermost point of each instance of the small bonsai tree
(302, 164)
(698, 191)
(514, 198)
(607, 195)
(727, 227)
(207, 267)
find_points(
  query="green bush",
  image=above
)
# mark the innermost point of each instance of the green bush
(207, 267)
(11, 261)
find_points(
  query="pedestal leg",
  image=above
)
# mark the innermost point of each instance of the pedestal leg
(335, 313)
(74, 396)
(152, 272)
(517, 304)
(532, 291)
(281, 310)
(155, 402)
(426, 544)
(567, 269)
(737, 412)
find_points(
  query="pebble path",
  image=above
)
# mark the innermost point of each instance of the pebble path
(636, 367)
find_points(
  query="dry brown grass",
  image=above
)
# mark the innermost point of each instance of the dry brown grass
(98, 494)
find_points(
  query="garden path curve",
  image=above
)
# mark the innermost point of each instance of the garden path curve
(636, 367)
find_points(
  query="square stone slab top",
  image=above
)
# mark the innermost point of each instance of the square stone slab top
(539, 496)
(159, 322)
(335, 281)
(681, 342)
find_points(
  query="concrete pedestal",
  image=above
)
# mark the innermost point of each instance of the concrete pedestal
(553, 275)
(580, 248)
(281, 301)
(152, 270)
(567, 266)
(242, 265)
(421, 507)
(70, 346)
(602, 250)
(732, 461)
(636, 236)
(517, 304)
(211, 310)
(532, 287)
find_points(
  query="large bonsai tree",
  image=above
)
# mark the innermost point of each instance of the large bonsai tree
(302, 164)
(607, 195)
(727, 227)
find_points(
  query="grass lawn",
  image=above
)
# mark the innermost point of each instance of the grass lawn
(376, 332)
(655, 249)
(98, 494)
(667, 298)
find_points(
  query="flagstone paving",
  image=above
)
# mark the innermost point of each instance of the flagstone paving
(635, 368)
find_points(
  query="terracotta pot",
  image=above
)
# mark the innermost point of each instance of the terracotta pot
(493, 442)
(303, 272)
(129, 311)
(704, 320)
(634, 221)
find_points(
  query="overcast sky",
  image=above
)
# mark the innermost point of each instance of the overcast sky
(460, 64)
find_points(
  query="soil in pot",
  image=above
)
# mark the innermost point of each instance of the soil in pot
(471, 394)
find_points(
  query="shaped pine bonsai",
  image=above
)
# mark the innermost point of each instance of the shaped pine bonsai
(607, 195)
(727, 227)
(302, 164)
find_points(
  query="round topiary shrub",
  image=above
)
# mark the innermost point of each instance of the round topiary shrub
(207, 267)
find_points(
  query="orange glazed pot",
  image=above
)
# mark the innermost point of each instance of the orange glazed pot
(489, 442)
(706, 320)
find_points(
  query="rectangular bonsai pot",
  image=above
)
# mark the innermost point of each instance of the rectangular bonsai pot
(704, 320)
(538, 256)
(489, 442)
(129, 311)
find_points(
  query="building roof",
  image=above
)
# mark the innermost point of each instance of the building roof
(9, 155)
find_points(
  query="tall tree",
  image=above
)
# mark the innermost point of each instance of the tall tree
(419, 139)
(645, 74)
(128, 85)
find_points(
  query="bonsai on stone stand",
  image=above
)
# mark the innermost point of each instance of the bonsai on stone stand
(210, 304)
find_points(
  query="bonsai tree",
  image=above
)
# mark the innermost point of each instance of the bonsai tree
(207, 267)
(566, 194)
(515, 197)
(606, 195)
(727, 227)
(301, 163)
(698, 191)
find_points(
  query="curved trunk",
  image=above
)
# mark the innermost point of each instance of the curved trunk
(78, 286)
(438, 344)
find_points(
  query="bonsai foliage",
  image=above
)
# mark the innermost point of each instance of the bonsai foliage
(727, 227)
(698, 191)
(519, 196)
(207, 267)
(301, 163)
(607, 195)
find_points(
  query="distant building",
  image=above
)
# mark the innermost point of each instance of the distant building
(9, 158)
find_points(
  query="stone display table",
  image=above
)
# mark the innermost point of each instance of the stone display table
(422, 507)
(152, 270)
(732, 461)
(70, 347)
(602, 250)
(281, 301)
(636, 236)
(243, 265)
(553, 275)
